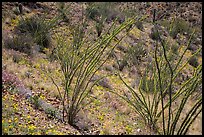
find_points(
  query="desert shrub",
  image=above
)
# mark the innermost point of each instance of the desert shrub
(139, 25)
(135, 54)
(174, 48)
(51, 113)
(193, 61)
(35, 101)
(98, 13)
(180, 26)
(162, 87)
(122, 64)
(154, 34)
(104, 10)
(92, 12)
(23, 43)
(98, 9)
(39, 29)
(63, 10)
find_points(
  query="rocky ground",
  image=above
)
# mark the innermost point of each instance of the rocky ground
(108, 114)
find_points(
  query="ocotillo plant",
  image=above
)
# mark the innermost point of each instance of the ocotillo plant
(80, 59)
(161, 85)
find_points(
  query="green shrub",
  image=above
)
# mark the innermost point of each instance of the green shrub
(51, 113)
(92, 12)
(63, 11)
(154, 34)
(193, 61)
(99, 9)
(135, 54)
(180, 26)
(139, 25)
(35, 101)
(23, 43)
(174, 48)
(39, 29)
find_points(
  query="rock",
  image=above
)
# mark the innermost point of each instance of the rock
(139, 130)
(25, 92)
(108, 68)
(7, 20)
(27, 10)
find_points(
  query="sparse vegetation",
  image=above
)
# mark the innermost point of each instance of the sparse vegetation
(178, 26)
(39, 29)
(193, 61)
(135, 54)
(160, 86)
(67, 68)
(23, 43)
(139, 25)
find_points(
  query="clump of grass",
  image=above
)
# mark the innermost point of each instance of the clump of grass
(193, 61)
(178, 25)
(139, 25)
(63, 11)
(174, 49)
(39, 29)
(35, 101)
(154, 34)
(135, 54)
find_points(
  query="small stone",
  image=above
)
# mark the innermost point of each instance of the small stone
(7, 20)
(185, 33)
(27, 10)
(138, 130)
(108, 68)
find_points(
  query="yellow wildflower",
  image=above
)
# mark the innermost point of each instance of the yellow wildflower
(31, 127)
(10, 126)
(15, 119)
(42, 97)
